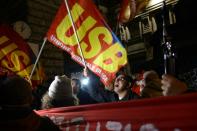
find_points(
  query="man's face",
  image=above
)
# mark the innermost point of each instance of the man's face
(120, 84)
(75, 86)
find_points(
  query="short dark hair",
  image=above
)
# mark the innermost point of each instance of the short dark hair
(128, 78)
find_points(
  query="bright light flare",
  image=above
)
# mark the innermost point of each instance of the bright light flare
(85, 81)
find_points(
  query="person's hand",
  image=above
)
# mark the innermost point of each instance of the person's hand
(172, 86)
(85, 72)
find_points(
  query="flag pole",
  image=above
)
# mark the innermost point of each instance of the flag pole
(75, 33)
(34, 67)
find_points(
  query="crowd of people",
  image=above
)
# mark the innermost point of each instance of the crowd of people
(16, 98)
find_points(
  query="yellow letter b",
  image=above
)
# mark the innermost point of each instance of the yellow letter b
(112, 58)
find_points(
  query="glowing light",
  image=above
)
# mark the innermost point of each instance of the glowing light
(85, 81)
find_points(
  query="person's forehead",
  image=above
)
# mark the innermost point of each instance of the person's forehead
(73, 81)
(120, 76)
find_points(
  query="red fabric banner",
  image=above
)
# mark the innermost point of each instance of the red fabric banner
(16, 57)
(176, 113)
(102, 51)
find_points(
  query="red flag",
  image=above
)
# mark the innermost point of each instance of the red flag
(16, 57)
(102, 51)
(174, 113)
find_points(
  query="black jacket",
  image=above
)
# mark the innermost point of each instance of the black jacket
(85, 98)
(130, 96)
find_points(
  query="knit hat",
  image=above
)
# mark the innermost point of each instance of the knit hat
(60, 88)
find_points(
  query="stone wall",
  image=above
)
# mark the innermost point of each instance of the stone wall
(40, 16)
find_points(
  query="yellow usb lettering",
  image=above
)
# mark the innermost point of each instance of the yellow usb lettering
(26, 73)
(116, 55)
(66, 24)
(7, 49)
(95, 44)
(16, 62)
